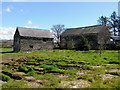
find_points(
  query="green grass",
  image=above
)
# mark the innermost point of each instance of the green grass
(109, 56)
(6, 49)
(69, 62)
(4, 77)
(15, 84)
(30, 72)
(22, 69)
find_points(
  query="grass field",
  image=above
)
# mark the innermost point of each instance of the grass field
(60, 69)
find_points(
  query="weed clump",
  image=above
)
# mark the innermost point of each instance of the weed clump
(49, 67)
(22, 69)
(30, 72)
(4, 77)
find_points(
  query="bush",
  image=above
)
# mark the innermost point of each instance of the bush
(83, 45)
(4, 77)
(22, 69)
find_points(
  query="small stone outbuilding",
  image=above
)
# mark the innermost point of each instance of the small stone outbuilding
(27, 39)
(96, 35)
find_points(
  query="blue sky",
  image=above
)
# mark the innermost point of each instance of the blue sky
(45, 14)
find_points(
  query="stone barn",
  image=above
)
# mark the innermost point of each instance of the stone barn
(96, 35)
(27, 39)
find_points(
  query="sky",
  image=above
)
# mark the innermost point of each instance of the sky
(119, 9)
(43, 15)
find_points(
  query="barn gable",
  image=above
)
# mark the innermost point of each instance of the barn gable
(27, 39)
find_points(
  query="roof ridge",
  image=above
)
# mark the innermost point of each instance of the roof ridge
(85, 27)
(33, 28)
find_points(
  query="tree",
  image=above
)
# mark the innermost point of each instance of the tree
(118, 26)
(103, 20)
(114, 21)
(58, 29)
(83, 44)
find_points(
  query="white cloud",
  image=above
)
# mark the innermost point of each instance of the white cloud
(29, 22)
(8, 9)
(7, 33)
(31, 26)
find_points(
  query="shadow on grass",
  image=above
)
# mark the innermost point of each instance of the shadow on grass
(7, 52)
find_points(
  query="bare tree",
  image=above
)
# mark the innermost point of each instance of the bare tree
(57, 29)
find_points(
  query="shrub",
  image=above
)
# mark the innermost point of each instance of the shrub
(83, 45)
(4, 77)
(22, 68)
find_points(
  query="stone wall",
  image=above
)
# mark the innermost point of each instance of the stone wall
(73, 42)
(16, 43)
(29, 44)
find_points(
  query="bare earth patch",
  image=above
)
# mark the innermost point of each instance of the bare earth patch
(96, 66)
(32, 85)
(2, 82)
(29, 78)
(18, 73)
(114, 70)
(61, 76)
(75, 84)
(107, 76)
(83, 72)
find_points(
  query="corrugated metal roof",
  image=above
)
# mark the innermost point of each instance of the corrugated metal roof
(32, 32)
(83, 30)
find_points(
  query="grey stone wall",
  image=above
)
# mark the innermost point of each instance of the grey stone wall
(16, 43)
(73, 42)
(36, 44)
